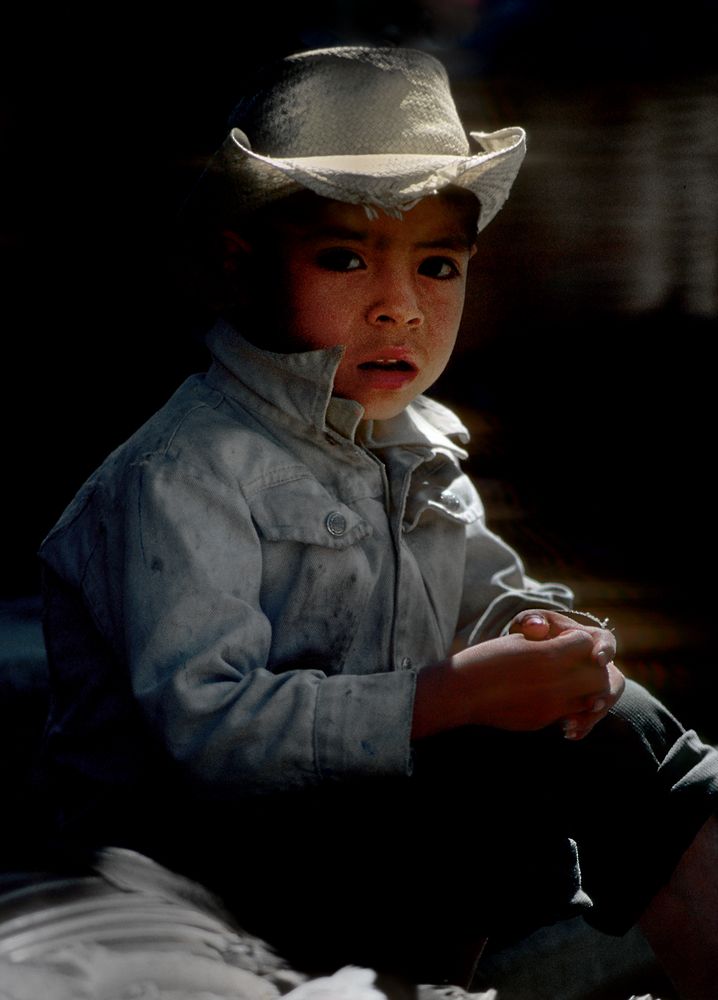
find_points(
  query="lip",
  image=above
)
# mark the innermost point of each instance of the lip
(377, 378)
(402, 369)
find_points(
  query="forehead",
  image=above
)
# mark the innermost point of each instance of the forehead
(433, 222)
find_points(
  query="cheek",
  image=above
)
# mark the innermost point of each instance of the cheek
(318, 313)
(446, 311)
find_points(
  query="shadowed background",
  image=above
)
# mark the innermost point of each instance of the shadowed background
(585, 362)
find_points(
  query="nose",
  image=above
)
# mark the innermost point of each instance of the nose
(395, 303)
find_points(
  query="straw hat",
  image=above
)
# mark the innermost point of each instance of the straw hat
(370, 126)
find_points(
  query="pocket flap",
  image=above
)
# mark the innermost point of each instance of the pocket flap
(303, 511)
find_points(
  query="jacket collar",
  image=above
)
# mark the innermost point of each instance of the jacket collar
(299, 386)
(423, 424)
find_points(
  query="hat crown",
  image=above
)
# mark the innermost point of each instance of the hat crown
(352, 101)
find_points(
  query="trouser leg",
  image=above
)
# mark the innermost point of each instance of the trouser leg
(410, 875)
(634, 794)
(482, 839)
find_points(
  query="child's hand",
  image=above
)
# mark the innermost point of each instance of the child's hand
(548, 669)
(537, 625)
(580, 724)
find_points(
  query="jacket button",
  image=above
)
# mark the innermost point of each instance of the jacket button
(451, 500)
(336, 523)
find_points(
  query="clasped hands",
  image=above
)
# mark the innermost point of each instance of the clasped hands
(593, 682)
(548, 670)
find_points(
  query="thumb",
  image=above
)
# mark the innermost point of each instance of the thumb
(531, 625)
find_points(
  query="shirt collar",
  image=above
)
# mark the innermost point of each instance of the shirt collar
(300, 385)
(424, 424)
(297, 384)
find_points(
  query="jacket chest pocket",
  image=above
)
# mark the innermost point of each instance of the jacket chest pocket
(316, 572)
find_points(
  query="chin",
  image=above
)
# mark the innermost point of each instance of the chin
(384, 411)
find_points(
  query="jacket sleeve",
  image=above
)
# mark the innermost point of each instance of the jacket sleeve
(186, 571)
(496, 587)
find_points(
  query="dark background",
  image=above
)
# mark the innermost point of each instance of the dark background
(585, 368)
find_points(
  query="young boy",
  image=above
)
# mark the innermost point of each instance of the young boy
(288, 657)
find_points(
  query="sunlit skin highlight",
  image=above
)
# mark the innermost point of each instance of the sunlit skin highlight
(389, 290)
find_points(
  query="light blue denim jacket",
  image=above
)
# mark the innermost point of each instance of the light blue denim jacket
(272, 572)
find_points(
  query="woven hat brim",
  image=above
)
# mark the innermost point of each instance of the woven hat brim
(396, 181)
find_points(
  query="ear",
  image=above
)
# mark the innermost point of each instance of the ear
(235, 250)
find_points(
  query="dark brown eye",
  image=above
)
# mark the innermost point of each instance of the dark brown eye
(442, 268)
(340, 259)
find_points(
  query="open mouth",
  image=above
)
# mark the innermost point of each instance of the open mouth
(387, 365)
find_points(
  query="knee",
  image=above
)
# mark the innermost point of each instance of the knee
(641, 719)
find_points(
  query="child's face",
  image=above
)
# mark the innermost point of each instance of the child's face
(391, 291)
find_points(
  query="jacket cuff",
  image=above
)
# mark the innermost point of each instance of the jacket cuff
(362, 726)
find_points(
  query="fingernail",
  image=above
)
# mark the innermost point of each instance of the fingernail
(534, 620)
(598, 705)
(602, 658)
(569, 729)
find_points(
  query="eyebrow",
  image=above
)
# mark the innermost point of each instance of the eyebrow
(451, 241)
